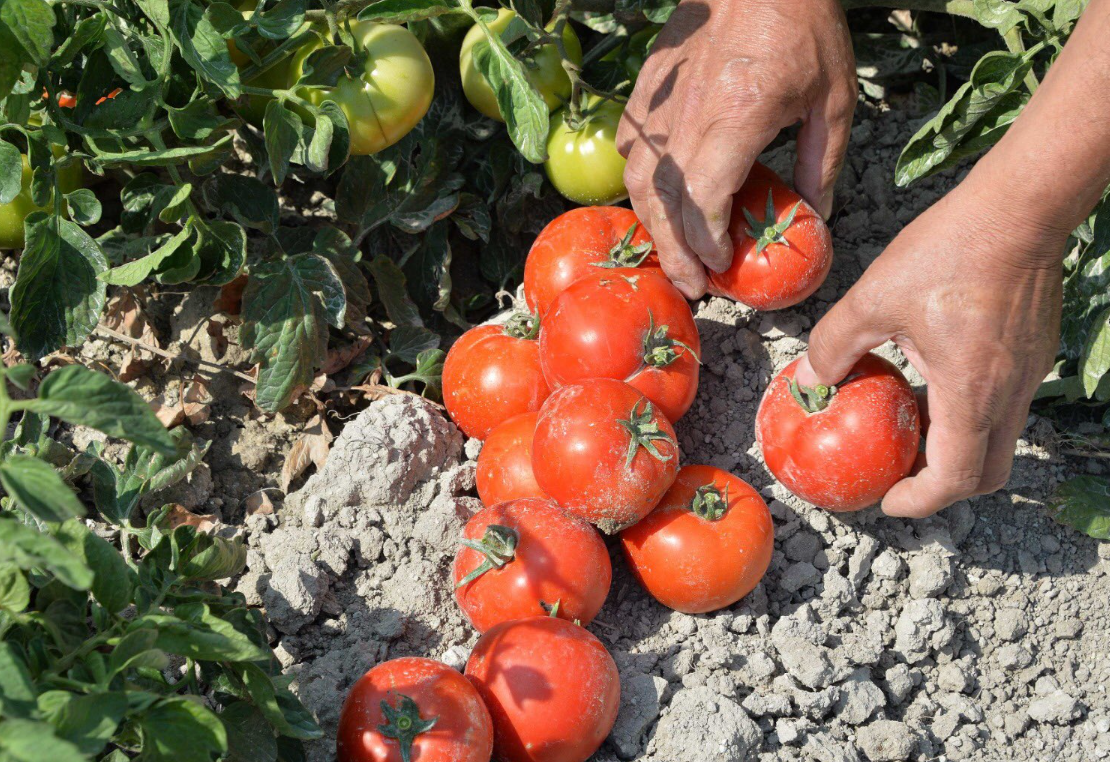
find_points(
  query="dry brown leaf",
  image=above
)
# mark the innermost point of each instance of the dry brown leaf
(313, 446)
(259, 503)
(340, 358)
(176, 406)
(169, 414)
(125, 315)
(230, 299)
(179, 515)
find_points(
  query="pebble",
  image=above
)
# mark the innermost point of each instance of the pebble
(930, 575)
(807, 663)
(1011, 624)
(859, 698)
(888, 565)
(700, 724)
(1013, 656)
(799, 575)
(921, 628)
(802, 546)
(886, 741)
(899, 683)
(956, 676)
(1057, 708)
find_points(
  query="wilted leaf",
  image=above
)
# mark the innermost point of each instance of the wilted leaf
(311, 447)
(179, 515)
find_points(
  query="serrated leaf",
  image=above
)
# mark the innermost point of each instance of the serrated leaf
(282, 20)
(180, 730)
(248, 200)
(263, 695)
(29, 548)
(164, 157)
(523, 108)
(203, 48)
(249, 737)
(39, 489)
(284, 137)
(324, 66)
(1084, 504)
(11, 172)
(407, 342)
(29, 741)
(392, 288)
(221, 249)
(31, 24)
(208, 638)
(136, 649)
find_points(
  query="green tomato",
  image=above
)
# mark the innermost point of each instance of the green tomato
(277, 77)
(582, 160)
(392, 95)
(545, 71)
(16, 211)
(634, 52)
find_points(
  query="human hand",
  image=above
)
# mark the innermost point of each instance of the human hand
(723, 78)
(971, 293)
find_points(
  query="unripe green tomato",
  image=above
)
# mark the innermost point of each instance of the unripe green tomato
(391, 96)
(15, 212)
(634, 52)
(583, 164)
(545, 72)
(277, 77)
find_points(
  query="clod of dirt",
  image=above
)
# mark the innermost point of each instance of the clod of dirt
(700, 724)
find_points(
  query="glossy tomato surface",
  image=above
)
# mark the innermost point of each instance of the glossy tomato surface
(781, 268)
(582, 159)
(706, 544)
(848, 455)
(489, 376)
(463, 730)
(603, 452)
(558, 560)
(579, 243)
(629, 325)
(505, 462)
(551, 687)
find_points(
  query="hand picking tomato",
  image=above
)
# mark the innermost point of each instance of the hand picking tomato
(840, 447)
(577, 243)
(603, 452)
(526, 558)
(706, 545)
(551, 687)
(505, 463)
(625, 324)
(493, 373)
(414, 710)
(582, 159)
(782, 248)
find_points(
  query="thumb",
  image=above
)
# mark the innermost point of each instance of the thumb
(847, 332)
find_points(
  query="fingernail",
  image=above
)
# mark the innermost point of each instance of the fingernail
(804, 374)
(825, 206)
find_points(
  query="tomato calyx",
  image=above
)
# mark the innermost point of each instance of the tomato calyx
(660, 349)
(523, 325)
(813, 399)
(498, 545)
(624, 254)
(404, 723)
(709, 503)
(645, 432)
(552, 609)
(767, 231)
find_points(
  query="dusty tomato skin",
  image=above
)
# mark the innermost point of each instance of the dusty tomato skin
(490, 376)
(505, 464)
(580, 453)
(559, 559)
(848, 455)
(603, 326)
(578, 243)
(582, 159)
(463, 731)
(694, 564)
(784, 273)
(551, 687)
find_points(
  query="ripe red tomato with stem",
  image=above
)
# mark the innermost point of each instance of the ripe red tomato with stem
(841, 447)
(551, 687)
(706, 544)
(576, 243)
(604, 452)
(414, 710)
(529, 557)
(629, 325)
(782, 248)
(493, 373)
(505, 462)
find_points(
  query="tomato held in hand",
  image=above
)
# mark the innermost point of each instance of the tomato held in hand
(493, 373)
(603, 452)
(414, 710)
(505, 463)
(529, 558)
(843, 447)
(545, 70)
(551, 687)
(577, 243)
(706, 545)
(782, 248)
(629, 325)
(582, 159)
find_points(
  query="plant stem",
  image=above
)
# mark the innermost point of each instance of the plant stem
(169, 355)
(1016, 44)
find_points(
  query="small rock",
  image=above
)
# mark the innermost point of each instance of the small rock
(930, 575)
(799, 575)
(296, 592)
(767, 704)
(945, 724)
(899, 683)
(1011, 624)
(1013, 656)
(921, 628)
(886, 741)
(955, 676)
(859, 698)
(807, 663)
(1057, 708)
(314, 511)
(802, 546)
(639, 708)
(787, 731)
(1068, 629)
(816, 705)
(859, 565)
(822, 747)
(888, 565)
(700, 724)
(456, 657)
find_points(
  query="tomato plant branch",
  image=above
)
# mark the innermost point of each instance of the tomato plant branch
(105, 330)
(1016, 44)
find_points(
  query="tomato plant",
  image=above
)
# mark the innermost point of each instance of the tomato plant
(14, 213)
(526, 558)
(577, 242)
(629, 325)
(414, 710)
(551, 687)
(603, 452)
(842, 447)
(782, 249)
(706, 544)
(493, 373)
(504, 468)
(582, 159)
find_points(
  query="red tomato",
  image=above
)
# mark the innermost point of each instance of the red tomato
(603, 452)
(551, 687)
(706, 545)
(526, 558)
(493, 373)
(414, 710)
(845, 456)
(629, 325)
(578, 242)
(782, 248)
(505, 463)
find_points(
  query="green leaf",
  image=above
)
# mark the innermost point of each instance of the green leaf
(197, 120)
(405, 11)
(222, 250)
(249, 736)
(29, 548)
(114, 581)
(31, 24)
(15, 594)
(57, 297)
(203, 48)
(142, 157)
(248, 200)
(84, 207)
(118, 491)
(407, 342)
(181, 730)
(136, 649)
(84, 397)
(324, 66)
(282, 20)
(1084, 504)
(525, 112)
(208, 639)
(88, 31)
(87, 721)
(428, 371)
(284, 136)
(144, 197)
(38, 489)
(429, 268)
(137, 270)
(287, 307)
(17, 690)
(11, 172)
(392, 288)
(28, 741)
(21, 375)
(1094, 363)
(264, 696)
(203, 557)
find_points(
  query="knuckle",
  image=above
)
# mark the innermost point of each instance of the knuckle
(960, 483)
(994, 482)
